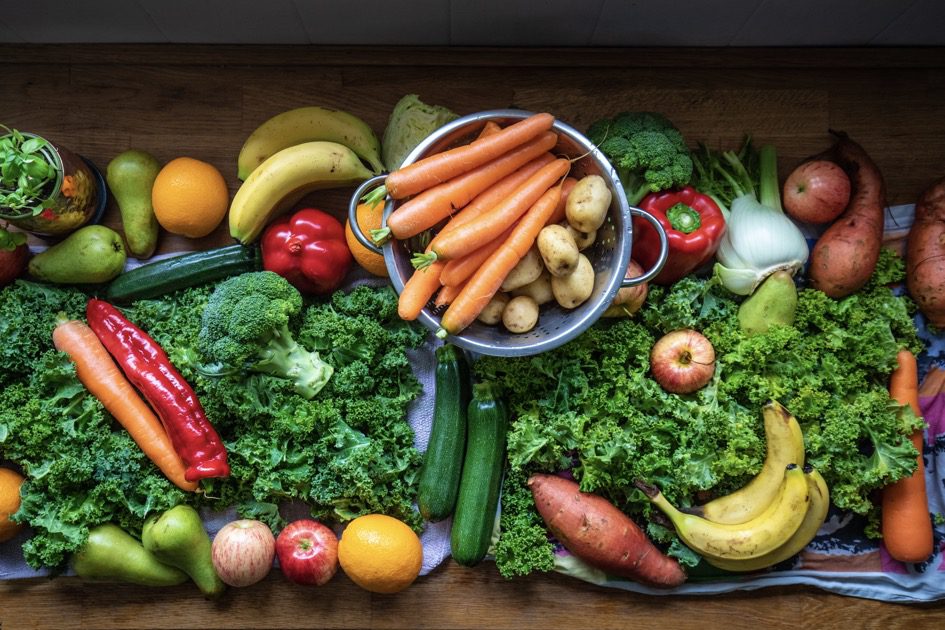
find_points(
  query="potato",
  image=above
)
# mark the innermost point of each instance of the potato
(527, 270)
(588, 203)
(583, 240)
(538, 290)
(520, 314)
(573, 290)
(558, 250)
(492, 313)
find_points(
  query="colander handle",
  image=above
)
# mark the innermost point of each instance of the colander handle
(664, 249)
(353, 213)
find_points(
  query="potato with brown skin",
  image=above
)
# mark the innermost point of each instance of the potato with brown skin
(588, 203)
(527, 270)
(925, 255)
(845, 256)
(539, 290)
(558, 250)
(492, 313)
(594, 530)
(520, 315)
(573, 290)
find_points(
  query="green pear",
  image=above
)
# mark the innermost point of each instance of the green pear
(774, 302)
(90, 255)
(177, 537)
(111, 554)
(130, 177)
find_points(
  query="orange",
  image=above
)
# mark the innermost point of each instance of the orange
(380, 553)
(369, 218)
(10, 482)
(190, 197)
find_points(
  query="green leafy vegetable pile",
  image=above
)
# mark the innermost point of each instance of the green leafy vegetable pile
(592, 407)
(345, 452)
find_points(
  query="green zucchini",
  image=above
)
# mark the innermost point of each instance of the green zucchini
(479, 486)
(443, 459)
(180, 272)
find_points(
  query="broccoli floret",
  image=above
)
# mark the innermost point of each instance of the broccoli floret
(647, 150)
(247, 326)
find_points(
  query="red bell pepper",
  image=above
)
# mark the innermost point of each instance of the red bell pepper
(309, 250)
(694, 226)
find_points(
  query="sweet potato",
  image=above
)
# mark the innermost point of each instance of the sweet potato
(845, 255)
(594, 530)
(925, 255)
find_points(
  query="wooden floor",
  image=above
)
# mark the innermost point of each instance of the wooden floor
(203, 101)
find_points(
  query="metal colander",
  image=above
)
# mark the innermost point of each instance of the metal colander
(609, 255)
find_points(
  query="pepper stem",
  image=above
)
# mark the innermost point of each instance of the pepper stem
(683, 218)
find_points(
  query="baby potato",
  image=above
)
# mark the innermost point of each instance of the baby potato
(588, 203)
(558, 250)
(538, 290)
(583, 240)
(527, 270)
(520, 314)
(492, 313)
(573, 290)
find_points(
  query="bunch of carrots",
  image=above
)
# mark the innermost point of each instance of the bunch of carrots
(495, 194)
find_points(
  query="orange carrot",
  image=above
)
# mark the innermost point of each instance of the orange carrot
(458, 270)
(485, 228)
(418, 290)
(906, 524)
(439, 167)
(484, 284)
(488, 129)
(560, 213)
(486, 200)
(437, 203)
(98, 372)
(447, 294)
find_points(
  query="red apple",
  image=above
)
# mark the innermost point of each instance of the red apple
(817, 191)
(308, 552)
(14, 254)
(682, 361)
(242, 552)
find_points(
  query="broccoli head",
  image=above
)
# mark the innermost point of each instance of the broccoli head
(247, 325)
(647, 150)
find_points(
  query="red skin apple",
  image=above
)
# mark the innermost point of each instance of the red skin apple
(682, 361)
(308, 552)
(817, 192)
(243, 551)
(13, 263)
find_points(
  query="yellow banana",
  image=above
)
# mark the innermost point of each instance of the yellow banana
(754, 538)
(816, 513)
(785, 445)
(309, 124)
(283, 179)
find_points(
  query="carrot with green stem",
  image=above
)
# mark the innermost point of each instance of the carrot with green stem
(906, 523)
(437, 203)
(484, 284)
(440, 167)
(98, 372)
(418, 290)
(475, 233)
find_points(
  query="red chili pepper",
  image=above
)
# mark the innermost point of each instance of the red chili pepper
(146, 365)
(694, 227)
(309, 250)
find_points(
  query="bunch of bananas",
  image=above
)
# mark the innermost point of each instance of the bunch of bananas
(768, 520)
(293, 154)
